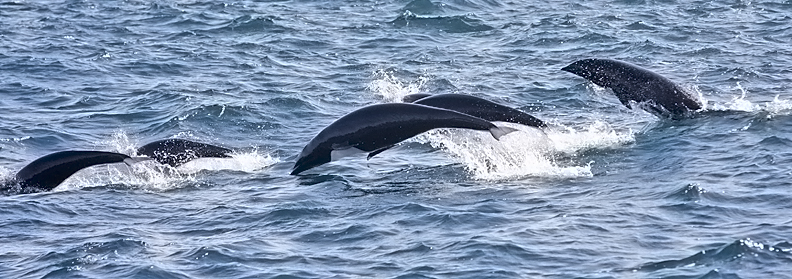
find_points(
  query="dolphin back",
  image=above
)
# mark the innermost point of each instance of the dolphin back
(48, 172)
(175, 152)
(480, 108)
(377, 126)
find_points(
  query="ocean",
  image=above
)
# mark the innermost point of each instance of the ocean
(609, 192)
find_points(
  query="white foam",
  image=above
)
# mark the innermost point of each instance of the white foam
(14, 139)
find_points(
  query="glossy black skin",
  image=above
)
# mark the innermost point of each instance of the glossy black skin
(477, 107)
(48, 172)
(655, 93)
(175, 152)
(378, 127)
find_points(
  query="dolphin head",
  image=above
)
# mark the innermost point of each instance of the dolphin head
(311, 157)
(602, 72)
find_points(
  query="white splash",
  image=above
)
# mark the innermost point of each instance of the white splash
(737, 103)
(778, 107)
(251, 161)
(597, 135)
(146, 175)
(391, 89)
(740, 103)
(528, 152)
(694, 88)
(119, 142)
(6, 175)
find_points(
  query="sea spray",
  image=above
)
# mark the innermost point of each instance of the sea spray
(391, 89)
(742, 103)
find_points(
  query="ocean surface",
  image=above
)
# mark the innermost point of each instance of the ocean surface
(609, 192)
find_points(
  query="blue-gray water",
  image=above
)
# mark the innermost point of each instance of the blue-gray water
(610, 193)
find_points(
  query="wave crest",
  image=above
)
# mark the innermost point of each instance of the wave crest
(450, 24)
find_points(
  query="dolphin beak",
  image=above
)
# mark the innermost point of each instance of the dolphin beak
(302, 166)
(298, 169)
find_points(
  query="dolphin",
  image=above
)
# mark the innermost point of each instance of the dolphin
(48, 172)
(652, 92)
(377, 128)
(175, 152)
(475, 106)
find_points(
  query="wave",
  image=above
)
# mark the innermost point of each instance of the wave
(720, 258)
(90, 256)
(689, 193)
(425, 7)
(450, 24)
(251, 24)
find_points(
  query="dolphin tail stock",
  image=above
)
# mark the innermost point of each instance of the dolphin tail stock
(498, 131)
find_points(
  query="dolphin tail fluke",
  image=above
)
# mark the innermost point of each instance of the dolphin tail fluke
(498, 132)
(133, 160)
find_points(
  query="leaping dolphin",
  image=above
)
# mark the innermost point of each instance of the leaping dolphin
(175, 152)
(475, 106)
(652, 92)
(376, 128)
